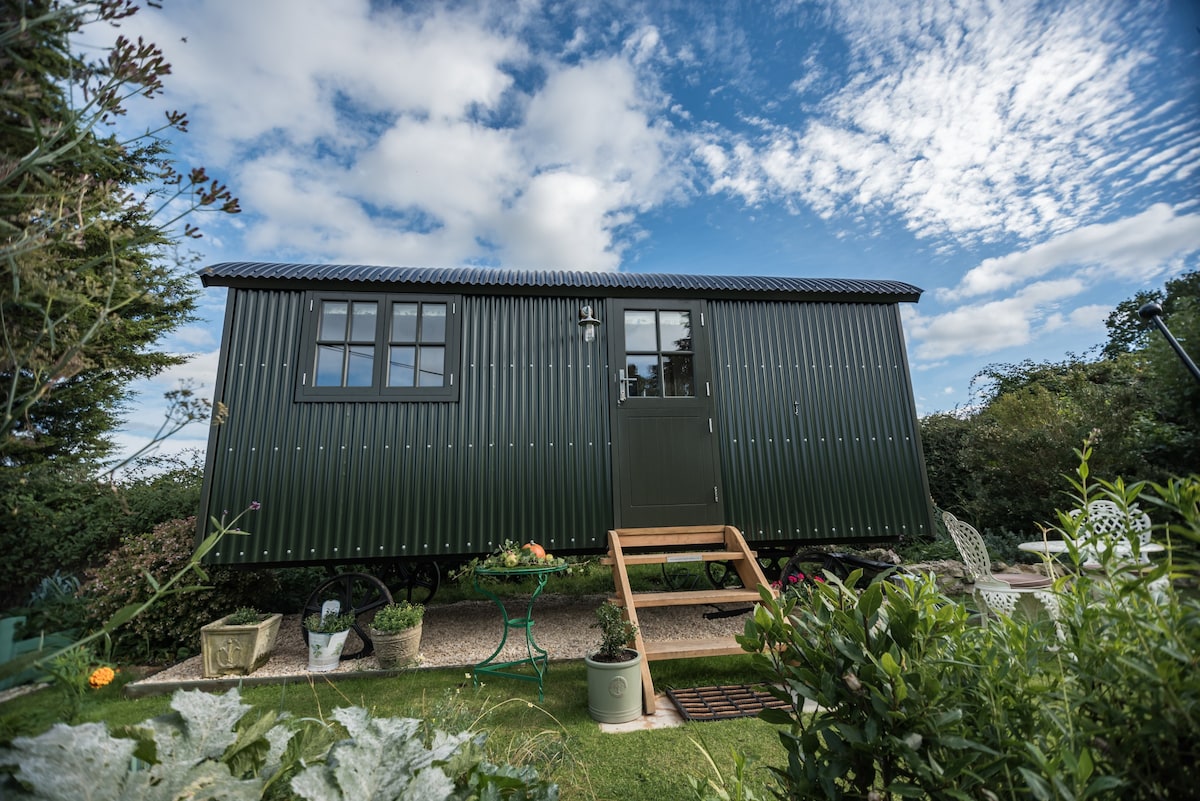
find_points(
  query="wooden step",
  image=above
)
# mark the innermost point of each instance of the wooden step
(669, 545)
(687, 649)
(677, 558)
(691, 598)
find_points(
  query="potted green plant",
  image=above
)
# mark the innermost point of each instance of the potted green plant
(614, 671)
(396, 634)
(239, 643)
(327, 633)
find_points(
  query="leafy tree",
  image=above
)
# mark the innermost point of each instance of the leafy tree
(88, 224)
(1018, 445)
(1173, 441)
(999, 463)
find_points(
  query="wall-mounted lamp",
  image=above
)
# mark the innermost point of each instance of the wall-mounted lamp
(588, 323)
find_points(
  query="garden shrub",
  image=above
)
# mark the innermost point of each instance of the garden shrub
(914, 700)
(171, 628)
(63, 518)
(49, 520)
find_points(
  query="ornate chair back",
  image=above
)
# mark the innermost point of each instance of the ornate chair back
(970, 544)
(1106, 526)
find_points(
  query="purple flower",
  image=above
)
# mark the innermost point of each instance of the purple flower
(255, 506)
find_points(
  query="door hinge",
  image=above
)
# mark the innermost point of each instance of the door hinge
(716, 497)
(701, 319)
(710, 425)
(708, 388)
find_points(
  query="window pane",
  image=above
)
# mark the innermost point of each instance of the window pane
(404, 323)
(639, 331)
(359, 369)
(645, 370)
(333, 322)
(677, 377)
(402, 366)
(676, 330)
(433, 367)
(329, 365)
(362, 327)
(433, 322)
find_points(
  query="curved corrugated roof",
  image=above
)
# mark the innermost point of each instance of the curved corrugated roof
(267, 274)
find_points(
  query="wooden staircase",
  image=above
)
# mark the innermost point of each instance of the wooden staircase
(656, 546)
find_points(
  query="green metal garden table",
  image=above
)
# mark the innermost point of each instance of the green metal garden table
(535, 657)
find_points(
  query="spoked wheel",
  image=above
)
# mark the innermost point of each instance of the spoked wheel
(680, 576)
(358, 593)
(772, 562)
(722, 574)
(807, 563)
(424, 578)
(417, 582)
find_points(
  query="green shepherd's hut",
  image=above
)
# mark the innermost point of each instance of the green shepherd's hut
(416, 417)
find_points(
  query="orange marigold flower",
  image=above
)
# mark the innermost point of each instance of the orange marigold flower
(101, 676)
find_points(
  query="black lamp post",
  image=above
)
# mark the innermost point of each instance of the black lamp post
(1152, 312)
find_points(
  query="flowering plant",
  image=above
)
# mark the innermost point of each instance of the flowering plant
(101, 677)
(799, 585)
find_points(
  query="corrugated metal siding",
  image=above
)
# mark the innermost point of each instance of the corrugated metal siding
(461, 278)
(523, 454)
(816, 422)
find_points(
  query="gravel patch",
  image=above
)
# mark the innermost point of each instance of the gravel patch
(467, 632)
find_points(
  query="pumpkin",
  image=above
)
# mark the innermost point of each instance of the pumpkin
(537, 550)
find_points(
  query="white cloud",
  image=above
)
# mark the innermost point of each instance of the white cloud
(563, 221)
(192, 337)
(374, 134)
(973, 121)
(983, 328)
(1137, 248)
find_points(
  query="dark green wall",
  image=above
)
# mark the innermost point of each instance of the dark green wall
(816, 424)
(522, 455)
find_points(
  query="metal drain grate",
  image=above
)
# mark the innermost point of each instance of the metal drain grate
(723, 702)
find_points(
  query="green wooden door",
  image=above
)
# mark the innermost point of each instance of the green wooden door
(664, 452)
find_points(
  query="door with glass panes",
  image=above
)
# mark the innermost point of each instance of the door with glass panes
(664, 452)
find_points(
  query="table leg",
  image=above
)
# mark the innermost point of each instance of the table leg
(535, 656)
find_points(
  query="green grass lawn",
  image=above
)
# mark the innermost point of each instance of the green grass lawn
(557, 736)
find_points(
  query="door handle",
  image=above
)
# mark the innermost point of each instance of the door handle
(623, 386)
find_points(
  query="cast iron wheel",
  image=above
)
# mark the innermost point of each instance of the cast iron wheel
(417, 582)
(772, 561)
(358, 594)
(722, 574)
(679, 576)
(421, 581)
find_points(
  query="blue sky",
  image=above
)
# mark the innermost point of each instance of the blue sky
(1029, 164)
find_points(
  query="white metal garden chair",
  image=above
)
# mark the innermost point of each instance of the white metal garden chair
(1117, 537)
(999, 592)
(1107, 528)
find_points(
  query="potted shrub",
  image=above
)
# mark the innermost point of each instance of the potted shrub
(396, 633)
(614, 671)
(327, 633)
(239, 643)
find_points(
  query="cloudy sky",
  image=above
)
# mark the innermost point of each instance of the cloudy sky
(1029, 164)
